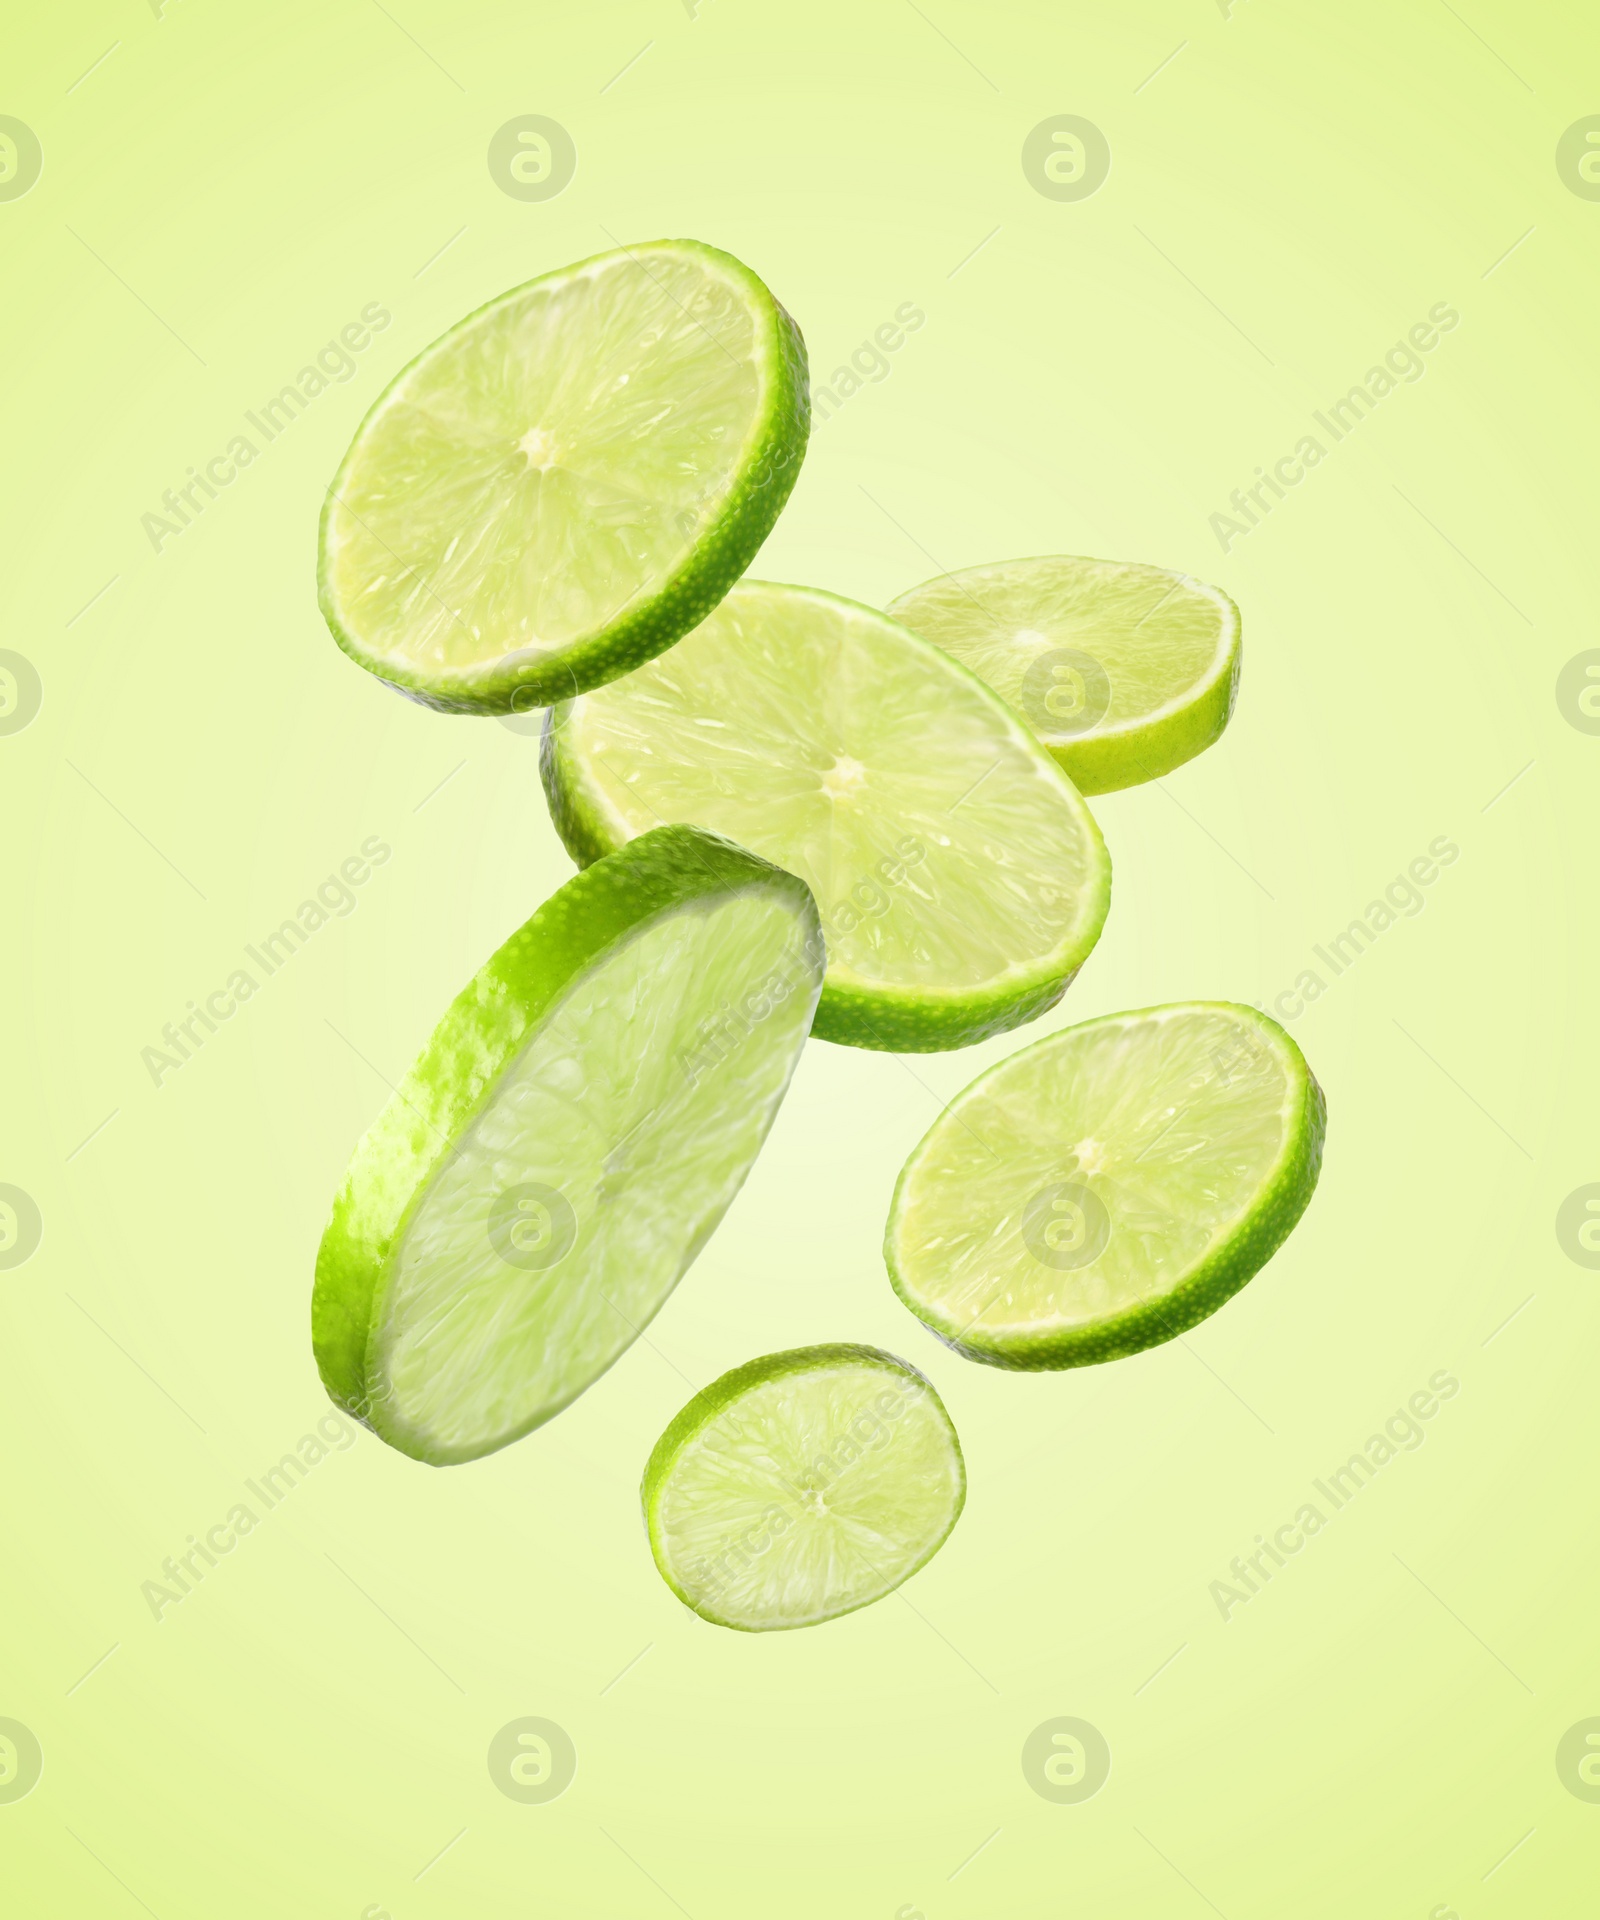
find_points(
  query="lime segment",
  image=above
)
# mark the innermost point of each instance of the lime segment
(1123, 671)
(567, 481)
(961, 879)
(802, 1486)
(1107, 1187)
(568, 1140)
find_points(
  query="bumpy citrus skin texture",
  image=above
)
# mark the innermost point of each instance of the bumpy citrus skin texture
(718, 541)
(766, 1526)
(413, 1146)
(922, 1276)
(1007, 881)
(1165, 650)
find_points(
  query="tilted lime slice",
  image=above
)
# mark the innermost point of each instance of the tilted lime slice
(1123, 671)
(566, 481)
(802, 1486)
(961, 879)
(576, 1127)
(1107, 1187)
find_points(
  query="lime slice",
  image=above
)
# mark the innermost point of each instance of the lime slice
(576, 1127)
(1123, 671)
(802, 1486)
(567, 481)
(960, 877)
(1107, 1187)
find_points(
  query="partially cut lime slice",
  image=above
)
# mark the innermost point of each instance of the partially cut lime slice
(1107, 1187)
(1123, 671)
(961, 879)
(802, 1486)
(566, 481)
(576, 1127)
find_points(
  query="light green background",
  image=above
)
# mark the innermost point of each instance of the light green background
(1376, 1731)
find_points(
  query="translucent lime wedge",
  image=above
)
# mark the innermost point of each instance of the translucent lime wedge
(961, 879)
(802, 1486)
(576, 1127)
(566, 481)
(1123, 671)
(1107, 1187)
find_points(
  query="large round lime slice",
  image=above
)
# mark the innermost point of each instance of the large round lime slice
(567, 481)
(961, 879)
(1107, 1187)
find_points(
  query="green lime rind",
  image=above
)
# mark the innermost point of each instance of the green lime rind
(651, 620)
(1280, 1197)
(715, 1402)
(911, 1022)
(1111, 762)
(901, 1016)
(454, 1081)
(1187, 635)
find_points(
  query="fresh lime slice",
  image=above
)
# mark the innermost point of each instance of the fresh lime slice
(576, 1127)
(567, 481)
(1123, 671)
(802, 1486)
(1107, 1187)
(961, 879)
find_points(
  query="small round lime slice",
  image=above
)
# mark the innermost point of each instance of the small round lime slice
(960, 877)
(571, 1135)
(1107, 1187)
(1123, 671)
(566, 481)
(802, 1486)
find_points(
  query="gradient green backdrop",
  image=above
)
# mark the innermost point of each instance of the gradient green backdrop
(1376, 1732)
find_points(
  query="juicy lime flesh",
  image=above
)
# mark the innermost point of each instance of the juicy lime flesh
(546, 462)
(1155, 636)
(1170, 1122)
(943, 850)
(809, 1495)
(634, 1111)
